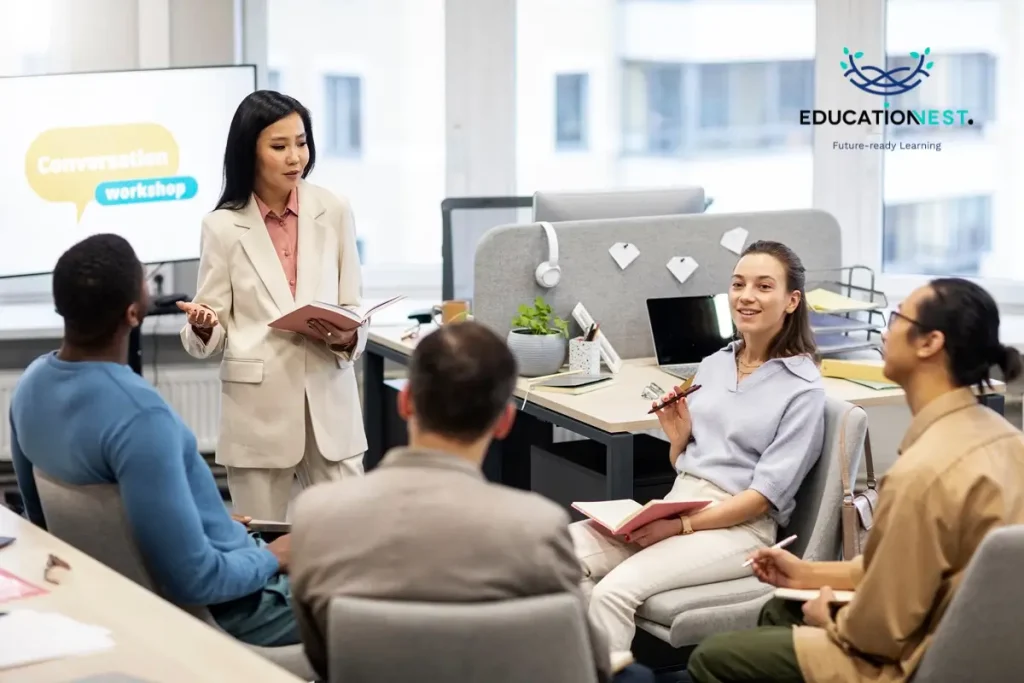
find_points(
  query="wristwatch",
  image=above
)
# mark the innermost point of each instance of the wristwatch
(687, 529)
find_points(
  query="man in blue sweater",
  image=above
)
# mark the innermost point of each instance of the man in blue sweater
(82, 416)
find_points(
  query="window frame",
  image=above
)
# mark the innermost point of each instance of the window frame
(331, 145)
(580, 80)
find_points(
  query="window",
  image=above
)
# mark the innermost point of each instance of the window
(570, 111)
(739, 106)
(373, 77)
(952, 193)
(344, 116)
(958, 81)
(943, 237)
(274, 80)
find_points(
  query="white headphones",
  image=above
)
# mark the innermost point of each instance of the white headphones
(548, 273)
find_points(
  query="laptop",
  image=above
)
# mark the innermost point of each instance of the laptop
(687, 329)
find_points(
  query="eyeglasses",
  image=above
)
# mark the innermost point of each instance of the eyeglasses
(652, 392)
(894, 314)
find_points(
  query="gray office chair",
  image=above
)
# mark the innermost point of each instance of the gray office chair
(978, 638)
(92, 519)
(522, 640)
(685, 616)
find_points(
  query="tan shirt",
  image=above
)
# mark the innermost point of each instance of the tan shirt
(426, 526)
(959, 475)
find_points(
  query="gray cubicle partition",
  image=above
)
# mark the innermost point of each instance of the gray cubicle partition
(507, 256)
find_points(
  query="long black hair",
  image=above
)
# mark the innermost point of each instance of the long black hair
(968, 317)
(257, 111)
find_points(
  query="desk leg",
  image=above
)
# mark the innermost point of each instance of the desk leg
(508, 461)
(619, 467)
(373, 408)
(996, 402)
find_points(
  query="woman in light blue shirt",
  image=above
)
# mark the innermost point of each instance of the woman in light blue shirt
(746, 441)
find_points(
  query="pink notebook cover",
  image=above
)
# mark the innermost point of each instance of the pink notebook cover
(15, 588)
(662, 510)
(343, 318)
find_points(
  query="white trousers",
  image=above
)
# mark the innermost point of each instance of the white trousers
(618, 576)
(264, 493)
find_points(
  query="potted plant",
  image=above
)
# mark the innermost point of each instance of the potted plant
(538, 339)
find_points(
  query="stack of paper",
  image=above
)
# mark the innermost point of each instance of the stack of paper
(30, 636)
(825, 301)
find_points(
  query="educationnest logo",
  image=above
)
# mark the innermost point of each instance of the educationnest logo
(898, 80)
(115, 164)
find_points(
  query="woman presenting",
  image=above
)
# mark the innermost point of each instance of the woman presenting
(289, 402)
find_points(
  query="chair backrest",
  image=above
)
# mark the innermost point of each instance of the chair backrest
(92, 519)
(978, 638)
(521, 640)
(817, 518)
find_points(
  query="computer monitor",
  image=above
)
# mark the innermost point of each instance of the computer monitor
(584, 206)
(687, 329)
(464, 220)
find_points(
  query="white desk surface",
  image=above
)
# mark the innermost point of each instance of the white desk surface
(154, 640)
(619, 407)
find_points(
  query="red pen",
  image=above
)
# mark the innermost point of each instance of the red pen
(678, 397)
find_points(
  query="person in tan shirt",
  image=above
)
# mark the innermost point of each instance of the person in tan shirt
(425, 525)
(960, 474)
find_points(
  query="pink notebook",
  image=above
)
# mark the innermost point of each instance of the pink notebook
(339, 316)
(621, 517)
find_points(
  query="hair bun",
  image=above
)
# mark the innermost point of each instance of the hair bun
(1009, 361)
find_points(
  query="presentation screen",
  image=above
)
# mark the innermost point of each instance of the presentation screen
(135, 153)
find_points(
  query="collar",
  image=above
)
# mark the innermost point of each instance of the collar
(800, 366)
(291, 207)
(405, 456)
(943, 406)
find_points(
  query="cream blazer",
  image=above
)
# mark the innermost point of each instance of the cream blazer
(266, 375)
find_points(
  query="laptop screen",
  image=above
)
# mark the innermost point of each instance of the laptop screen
(687, 329)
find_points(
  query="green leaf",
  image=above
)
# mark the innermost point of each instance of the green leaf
(914, 55)
(524, 309)
(846, 50)
(844, 65)
(927, 50)
(929, 65)
(858, 55)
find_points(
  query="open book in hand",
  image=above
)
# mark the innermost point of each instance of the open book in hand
(342, 317)
(806, 595)
(622, 517)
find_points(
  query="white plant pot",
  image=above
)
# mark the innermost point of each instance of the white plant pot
(537, 354)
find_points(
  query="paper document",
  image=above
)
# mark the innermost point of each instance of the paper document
(30, 636)
(682, 267)
(825, 301)
(734, 239)
(802, 595)
(624, 253)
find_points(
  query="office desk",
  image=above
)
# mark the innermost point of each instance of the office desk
(154, 640)
(610, 416)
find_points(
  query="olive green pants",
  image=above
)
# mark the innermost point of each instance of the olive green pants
(762, 654)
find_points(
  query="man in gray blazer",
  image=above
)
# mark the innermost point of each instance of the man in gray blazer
(426, 525)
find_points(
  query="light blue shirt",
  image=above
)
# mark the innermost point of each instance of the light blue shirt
(764, 433)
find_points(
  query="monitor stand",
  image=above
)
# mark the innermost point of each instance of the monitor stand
(162, 305)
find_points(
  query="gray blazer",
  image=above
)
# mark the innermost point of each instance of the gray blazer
(426, 526)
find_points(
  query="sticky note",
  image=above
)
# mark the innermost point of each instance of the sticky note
(682, 267)
(624, 253)
(734, 240)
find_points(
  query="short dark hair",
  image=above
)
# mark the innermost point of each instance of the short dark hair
(257, 111)
(795, 338)
(461, 377)
(94, 283)
(968, 317)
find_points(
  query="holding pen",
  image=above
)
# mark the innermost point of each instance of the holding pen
(778, 546)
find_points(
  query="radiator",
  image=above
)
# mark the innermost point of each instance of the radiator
(193, 392)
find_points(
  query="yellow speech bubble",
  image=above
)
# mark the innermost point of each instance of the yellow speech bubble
(66, 164)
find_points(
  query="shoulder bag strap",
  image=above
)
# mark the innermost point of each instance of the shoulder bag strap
(868, 460)
(844, 458)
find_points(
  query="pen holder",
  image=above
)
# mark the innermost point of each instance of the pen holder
(584, 357)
